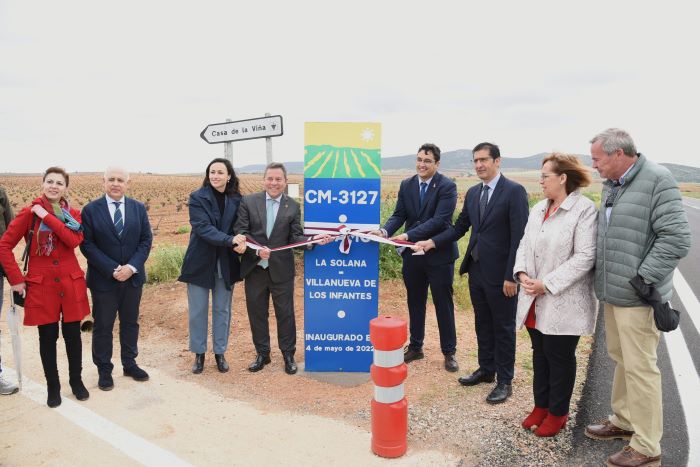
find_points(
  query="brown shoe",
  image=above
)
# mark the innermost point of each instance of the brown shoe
(628, 457)
(606, 430)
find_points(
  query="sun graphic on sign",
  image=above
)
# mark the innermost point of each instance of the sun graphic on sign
(367, 134)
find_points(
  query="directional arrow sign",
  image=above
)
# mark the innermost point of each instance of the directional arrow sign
(263, 127)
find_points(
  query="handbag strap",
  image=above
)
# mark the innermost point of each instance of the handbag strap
(27, 249)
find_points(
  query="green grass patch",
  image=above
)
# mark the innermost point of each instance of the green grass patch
(165, 263)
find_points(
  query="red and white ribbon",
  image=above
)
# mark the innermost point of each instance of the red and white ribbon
(345, 234)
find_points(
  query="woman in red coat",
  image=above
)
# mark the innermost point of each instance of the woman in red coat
(54, 286)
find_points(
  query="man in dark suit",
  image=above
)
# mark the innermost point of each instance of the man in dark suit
(425, 204)
(496, 210)
(273, 219)
(117, 243)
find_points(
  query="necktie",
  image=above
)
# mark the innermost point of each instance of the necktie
(423, 187)
(268, 227)
(270, 216)
(483, 201)
(118, 219)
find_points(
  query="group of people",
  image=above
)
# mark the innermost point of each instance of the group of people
(544, 268)
(115, 236)
(216, 259)
(547, 270)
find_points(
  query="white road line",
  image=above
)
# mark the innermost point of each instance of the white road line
(690, 206)
(129, 444)
(688, 383)
(686, 295)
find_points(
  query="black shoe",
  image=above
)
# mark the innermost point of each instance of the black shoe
(54, 394)
(500, 393)
(260, 362)
(290, 366)
(137, 373)
(410, 354)
(479, 376)
(221, 363)
(79, 390)
(198, 366)
(105, 382)
(451, 364)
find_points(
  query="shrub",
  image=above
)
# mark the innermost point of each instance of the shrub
(165, 263)
(183, 229)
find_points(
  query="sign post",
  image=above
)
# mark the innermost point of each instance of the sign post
(240, 130)
(342, 186)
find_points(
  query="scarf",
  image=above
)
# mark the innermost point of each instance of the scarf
(45, 237)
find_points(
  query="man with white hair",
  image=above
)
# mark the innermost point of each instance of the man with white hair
(117, 242)
(643, 233)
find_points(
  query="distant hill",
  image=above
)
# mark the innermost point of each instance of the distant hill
(460, 161)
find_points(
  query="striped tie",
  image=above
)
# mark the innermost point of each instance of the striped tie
(118, 219)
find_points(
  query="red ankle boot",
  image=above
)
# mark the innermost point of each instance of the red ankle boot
(551, 425)
(536, 417)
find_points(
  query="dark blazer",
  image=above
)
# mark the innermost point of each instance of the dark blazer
(105, 250)
(252, 220)
(211, 238)
(498, 233)
(434, 217)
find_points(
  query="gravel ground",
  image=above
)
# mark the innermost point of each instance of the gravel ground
(443, 414)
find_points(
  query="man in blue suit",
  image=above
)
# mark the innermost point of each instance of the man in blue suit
(117, 243)
(496, 210)
(425, 204)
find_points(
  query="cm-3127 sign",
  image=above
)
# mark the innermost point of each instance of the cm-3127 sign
(263, 127)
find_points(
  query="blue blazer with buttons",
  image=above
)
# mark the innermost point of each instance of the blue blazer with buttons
(211, 239)
(105, 249)
(498, 233)
(422, 223)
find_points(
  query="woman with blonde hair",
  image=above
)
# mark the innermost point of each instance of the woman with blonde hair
(556, 302)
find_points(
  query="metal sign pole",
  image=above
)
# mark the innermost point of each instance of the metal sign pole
(268, 144)
(228, 148)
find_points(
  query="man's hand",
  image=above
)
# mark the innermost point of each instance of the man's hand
(264, 252)
(39, 211)
(402, 237)
(533, 286)
(123, 273)
(510, 289)
(326, 238)
(21, 288)
(424, 245)
(378, 233)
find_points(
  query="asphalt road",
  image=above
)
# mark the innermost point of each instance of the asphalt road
(595, 401)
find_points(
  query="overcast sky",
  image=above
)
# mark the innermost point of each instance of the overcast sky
(86, 84)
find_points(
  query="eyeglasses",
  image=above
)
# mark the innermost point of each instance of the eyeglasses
(424, 161)
(545, 176)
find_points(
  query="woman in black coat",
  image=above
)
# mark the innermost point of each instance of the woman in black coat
(210, 264)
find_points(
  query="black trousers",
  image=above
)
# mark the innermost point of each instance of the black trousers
(258, 289)
(124, 300)
(494, 319)
(418, 275)
(554, 365)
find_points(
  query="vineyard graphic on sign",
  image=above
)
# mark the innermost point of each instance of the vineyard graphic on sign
(355, 153)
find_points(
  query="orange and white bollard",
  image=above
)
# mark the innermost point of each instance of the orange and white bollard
(389, 406)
